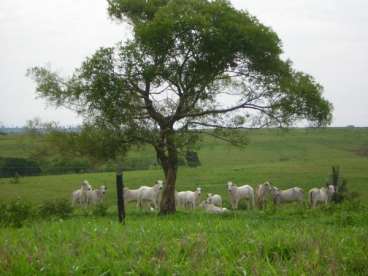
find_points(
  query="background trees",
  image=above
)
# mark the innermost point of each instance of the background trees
(192, 65)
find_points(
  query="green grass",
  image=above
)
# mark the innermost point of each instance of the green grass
(290, 240)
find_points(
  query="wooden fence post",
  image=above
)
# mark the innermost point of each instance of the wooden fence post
(120, 194)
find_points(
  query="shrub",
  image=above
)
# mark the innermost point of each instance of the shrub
(340, 184)
(192, 159)
(58, 208)
(15, 213)
(10, 166)
(62, 166)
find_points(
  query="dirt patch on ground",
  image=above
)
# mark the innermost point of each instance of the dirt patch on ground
(363, 151)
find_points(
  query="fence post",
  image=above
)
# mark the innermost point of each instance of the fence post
(120, 194)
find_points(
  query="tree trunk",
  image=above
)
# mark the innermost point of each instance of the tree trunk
(167, 153)
(167, 205)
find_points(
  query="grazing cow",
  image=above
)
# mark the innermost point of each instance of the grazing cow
(150, 194)
(237, 193)
(322, 195)
(262, 192)
(289, 195)
(96, 196)
(214, 199)
(213, 209)
(80, 195)
(188, 199)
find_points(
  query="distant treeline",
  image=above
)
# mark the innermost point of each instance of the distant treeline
(16, 130)
(14, 167)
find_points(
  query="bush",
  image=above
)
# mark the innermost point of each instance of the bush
(9, 167)
(58, 208)
(340, 184)
(62, 166)
(192, 159)
(15, 213)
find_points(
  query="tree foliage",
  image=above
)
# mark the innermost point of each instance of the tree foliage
(193, 65)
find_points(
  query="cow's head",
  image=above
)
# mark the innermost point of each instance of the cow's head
(268, 185)
(160, 184)
(230, 186)
(274, 190)
(86, 186)
(103, 189)
(331, 189)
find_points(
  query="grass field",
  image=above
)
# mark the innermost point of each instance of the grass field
(290, 240)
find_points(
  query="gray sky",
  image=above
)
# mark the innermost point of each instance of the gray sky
(327, 39)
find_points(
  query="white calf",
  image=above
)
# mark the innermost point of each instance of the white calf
(237, 193)
(80, 195)
(214, 199)
(262, 192)
(150, 194)
(289, 195)
(322, 195)
(212, 209)
(96, 196)
(188, 199)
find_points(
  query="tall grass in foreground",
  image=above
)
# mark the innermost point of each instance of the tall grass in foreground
(293, 241)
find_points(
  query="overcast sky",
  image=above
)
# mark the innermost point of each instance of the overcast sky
(327, 39)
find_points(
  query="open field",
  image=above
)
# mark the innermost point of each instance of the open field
(290, 240)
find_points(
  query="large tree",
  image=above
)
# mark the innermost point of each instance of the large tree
(192, 66)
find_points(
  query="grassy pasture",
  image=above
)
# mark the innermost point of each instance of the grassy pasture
(289, 240)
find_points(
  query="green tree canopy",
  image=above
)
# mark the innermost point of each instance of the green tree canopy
(191, 65)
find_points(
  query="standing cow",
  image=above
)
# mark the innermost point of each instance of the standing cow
(80, 195)
(188, 199)
(237, 193)
(322, 195)
(294, 194)
(262, 193)
(150, 195)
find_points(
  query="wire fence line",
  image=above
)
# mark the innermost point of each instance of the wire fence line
(82, 170)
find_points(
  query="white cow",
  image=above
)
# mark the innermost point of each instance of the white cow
(237, 193)
(188, 199)
(80, 195)
(131, 195)
(213, 209)
(262, 192)
(96, 196)
(322, 195)
(179, 199)
(150, 194)
(214, 199)
(289, 195)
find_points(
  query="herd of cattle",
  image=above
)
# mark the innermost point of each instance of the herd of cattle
(146, 196)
